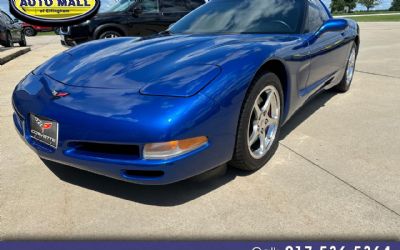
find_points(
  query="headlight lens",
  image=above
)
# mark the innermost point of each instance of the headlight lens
(166, 150)
(83, 23)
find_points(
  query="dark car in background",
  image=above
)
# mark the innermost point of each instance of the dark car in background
(32, 30)
(128, 18)
(10, 31)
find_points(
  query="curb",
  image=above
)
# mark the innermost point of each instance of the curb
(13, 55)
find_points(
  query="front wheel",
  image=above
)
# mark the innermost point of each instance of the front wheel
(345, 83)
(109, 34)
(9, 41)
(259, 123)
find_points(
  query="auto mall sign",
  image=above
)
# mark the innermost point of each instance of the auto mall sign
(54, 12)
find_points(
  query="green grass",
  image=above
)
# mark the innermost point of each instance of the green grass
(388, 18)
(365, 12)
(50, 33)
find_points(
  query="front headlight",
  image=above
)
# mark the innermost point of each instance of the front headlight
(166, 150)
(83, 23)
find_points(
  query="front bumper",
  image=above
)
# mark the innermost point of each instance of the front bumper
(150, 119)
(72, 36)
(67, 42)
(137, 171)
(70, 41)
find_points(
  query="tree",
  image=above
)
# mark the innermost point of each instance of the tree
(369, 3)
(339, 5)
(351, 4)
(395, 5)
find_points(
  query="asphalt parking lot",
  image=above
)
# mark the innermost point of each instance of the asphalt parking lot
(336, 173)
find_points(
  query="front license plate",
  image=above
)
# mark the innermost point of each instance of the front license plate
(44, 130)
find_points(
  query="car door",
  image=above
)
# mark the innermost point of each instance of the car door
(144, 18)
(173, 10)
(12, 27)
(325, 56)
(16, 26)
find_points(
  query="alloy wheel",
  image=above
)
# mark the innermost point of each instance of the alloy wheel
(110, 35)
(351, 66)
(264, 122)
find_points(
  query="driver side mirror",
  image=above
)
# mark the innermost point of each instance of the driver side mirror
(334, 24)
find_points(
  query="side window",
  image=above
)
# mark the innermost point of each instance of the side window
(149, 6)
(316, 16)
(4, 18)
(324, 14)
(7, 18)
(173, 6)
(193, 4)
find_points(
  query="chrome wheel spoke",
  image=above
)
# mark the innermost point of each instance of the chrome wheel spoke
(270, 132)
(254, 137)
(272, 121)
(262, 141)
(257, 110)
(267, 104)
(274, 109)
(273, 116)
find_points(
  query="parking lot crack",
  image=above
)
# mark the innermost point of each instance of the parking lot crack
(342, 180)
(376, 74)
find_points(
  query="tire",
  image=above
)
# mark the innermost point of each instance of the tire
(108, 34)
(246, 156)
(9, 41)
(22, 43)
(29, 31)
(345, 83)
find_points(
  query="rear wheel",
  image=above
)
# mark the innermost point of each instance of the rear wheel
(259, 124)
(345, 83)
(9, 41)
(109, 34)
(29, 31)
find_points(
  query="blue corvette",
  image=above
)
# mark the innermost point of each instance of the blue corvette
(213, 89)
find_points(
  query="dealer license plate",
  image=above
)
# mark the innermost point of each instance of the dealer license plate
(44, 130)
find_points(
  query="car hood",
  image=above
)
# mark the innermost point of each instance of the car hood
(179, 65)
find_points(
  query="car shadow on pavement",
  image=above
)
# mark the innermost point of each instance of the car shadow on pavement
(306, 111)
(183, 191)
(167, 195)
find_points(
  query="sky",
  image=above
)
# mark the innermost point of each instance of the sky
(4, 5)
(385, 4)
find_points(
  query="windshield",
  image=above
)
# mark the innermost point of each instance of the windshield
(244, 16)
(115, 5)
